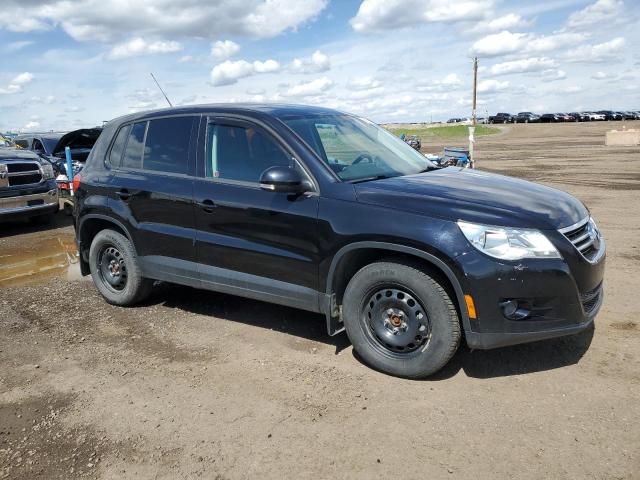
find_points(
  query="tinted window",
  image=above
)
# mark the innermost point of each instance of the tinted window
(22, 143)
(118, 146)
(240, 153)
(167, 145)
(50, 143)
(133, 153)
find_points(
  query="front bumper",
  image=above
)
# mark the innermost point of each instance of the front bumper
(564, 297)
(25, 206)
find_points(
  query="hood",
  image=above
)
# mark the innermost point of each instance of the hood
(81, 139)
(9, 153)
(462, 194)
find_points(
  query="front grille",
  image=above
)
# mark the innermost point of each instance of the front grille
(583, 237)
(591, 299)
(23, 173)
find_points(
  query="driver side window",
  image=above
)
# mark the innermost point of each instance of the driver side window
(37, 146)
(241, 153)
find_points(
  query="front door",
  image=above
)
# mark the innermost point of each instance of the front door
(248, 238)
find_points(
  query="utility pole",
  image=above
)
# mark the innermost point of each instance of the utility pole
(472, 128)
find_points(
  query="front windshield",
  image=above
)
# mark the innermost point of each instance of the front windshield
(356, 149)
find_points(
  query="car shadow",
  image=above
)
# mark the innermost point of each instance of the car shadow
(481, 364)
(518, 359)
(19, 227)
(291, 321)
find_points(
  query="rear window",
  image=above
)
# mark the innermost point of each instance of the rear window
(118, 146)
(135, 145)
(166, 148)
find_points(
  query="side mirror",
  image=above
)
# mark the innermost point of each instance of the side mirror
(283, 179)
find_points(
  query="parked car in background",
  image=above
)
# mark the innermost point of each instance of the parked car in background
(413, 141)
(551, 118)
(628, 115)
(580, 116)
(455, 120)
(610, 115)
(27, 186)
(566, 117)
(527, 117)
(595, 117)
(482, 120)
(501, 118)
(320, 210)
(51, 146)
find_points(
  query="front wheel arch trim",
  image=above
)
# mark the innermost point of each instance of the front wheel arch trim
(333, 329)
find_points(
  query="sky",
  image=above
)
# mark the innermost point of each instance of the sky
(74, 64)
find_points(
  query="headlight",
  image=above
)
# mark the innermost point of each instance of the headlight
(508, 243)
(47, 171)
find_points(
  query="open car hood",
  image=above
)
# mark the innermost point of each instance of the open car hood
(82, 139)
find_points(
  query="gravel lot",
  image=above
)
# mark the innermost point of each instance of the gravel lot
(202, 385)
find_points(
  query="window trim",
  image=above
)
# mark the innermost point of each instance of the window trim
(247, 122)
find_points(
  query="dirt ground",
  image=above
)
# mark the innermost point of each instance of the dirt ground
(202, 385)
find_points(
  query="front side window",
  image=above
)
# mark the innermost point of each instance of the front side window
(356, 149)
(241, 153)
(37, 146)
(132, 157)
(167, 145)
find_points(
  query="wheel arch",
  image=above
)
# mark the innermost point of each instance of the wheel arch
(350, 258)
(90, 225)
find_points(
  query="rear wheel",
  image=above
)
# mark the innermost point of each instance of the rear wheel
(115, 269)
(400, 320)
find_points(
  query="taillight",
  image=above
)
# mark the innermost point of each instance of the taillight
(76, 182)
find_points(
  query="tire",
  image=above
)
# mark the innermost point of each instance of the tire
(400, 320)
(115, 269)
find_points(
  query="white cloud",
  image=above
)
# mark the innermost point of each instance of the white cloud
(310, 89)
(364, 83)
(107, 20)
(17, 84)
(602, 52)
(222, 50)
(600, 13)
(23, 78)
(230, 72)
(492, 86)
(505, 22)
(316, 63)
(532, 64)
(32, 125)
(451, 80)
(506, 42)
(13, 47)
(377, 15)
(139, 46)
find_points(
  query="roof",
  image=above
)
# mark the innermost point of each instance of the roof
(270, 109)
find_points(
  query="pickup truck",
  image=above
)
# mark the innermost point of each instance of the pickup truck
(501, 118)
(27, 186)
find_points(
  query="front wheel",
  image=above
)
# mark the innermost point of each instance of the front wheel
(115, 269)
(400, 320)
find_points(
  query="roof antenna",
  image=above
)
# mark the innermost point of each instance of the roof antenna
(165, 95)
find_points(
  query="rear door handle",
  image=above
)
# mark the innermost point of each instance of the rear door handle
(124, 194)
(207, 205)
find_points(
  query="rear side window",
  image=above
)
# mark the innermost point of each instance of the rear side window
(22, 143)
(118, 146)
(167, 145)
(135, 145)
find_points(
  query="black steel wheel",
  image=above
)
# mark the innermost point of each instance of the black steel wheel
(400, 320)
(115, 270)
(396, 320)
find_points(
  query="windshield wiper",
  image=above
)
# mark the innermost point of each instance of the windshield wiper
(369, 179)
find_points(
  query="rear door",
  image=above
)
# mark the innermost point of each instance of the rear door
(152, 189)
(251, 238)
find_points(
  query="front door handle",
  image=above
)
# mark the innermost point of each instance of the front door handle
(207, 205)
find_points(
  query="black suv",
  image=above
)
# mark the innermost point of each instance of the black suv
(327, 212)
